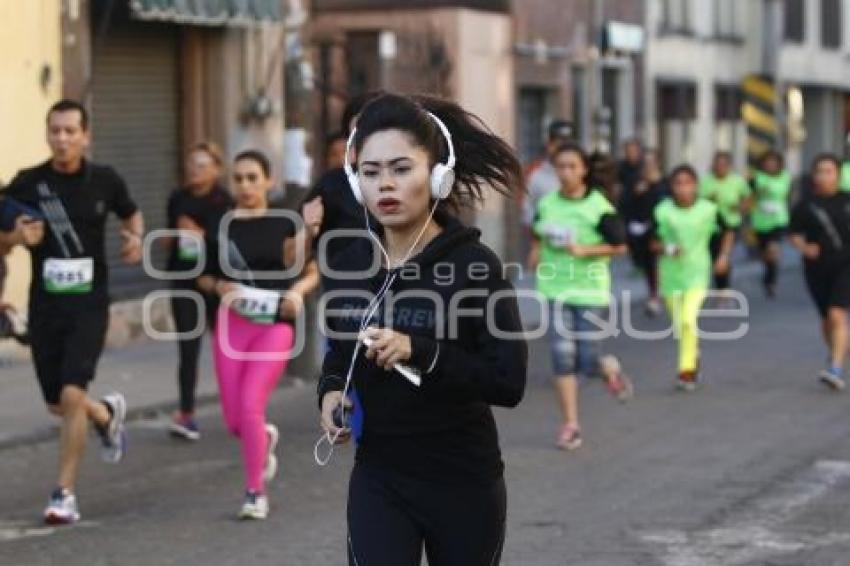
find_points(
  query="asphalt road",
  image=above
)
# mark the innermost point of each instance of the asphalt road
(752, 470)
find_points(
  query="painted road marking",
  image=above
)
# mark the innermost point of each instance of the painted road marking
(18, 530)
(753, 532)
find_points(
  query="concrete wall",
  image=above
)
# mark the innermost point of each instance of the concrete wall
(832, 68)
(702, 59)
(30, 81)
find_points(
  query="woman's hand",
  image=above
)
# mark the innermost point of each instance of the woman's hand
(330, 402)
(388, 347)
(811, 251)
(314, 213)
(291, 305)
(577, 250)
(534, 256)
(721, 266)
(223, 288)
(185, 222)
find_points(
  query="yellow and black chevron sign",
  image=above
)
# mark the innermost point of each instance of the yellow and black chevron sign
(759, 113)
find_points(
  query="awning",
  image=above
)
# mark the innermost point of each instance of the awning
(208, 12)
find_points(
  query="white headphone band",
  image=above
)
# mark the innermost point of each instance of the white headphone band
(447, 135)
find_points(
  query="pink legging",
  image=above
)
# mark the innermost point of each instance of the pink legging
(245, 385)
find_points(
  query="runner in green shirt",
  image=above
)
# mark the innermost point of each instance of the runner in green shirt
(577, 231)
(684, 225)
(844, 180)
(845, 176)
(730, 192)
(771, 192)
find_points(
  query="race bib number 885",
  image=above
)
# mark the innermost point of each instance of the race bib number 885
(68, 276)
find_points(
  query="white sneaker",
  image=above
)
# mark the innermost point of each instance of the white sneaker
(270, 470)
(61, 508)
(113, 437)
(256, 507)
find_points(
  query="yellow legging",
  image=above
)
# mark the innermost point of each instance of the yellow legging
(684, 310)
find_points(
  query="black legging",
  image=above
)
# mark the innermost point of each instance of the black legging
(391, 519)
(722, 281)
(185, 312)
(645, 260)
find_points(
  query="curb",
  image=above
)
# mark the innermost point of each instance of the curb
(134, 414)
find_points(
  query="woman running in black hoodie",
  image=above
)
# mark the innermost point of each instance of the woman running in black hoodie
(423, 321)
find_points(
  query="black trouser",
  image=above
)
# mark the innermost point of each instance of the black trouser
(722, 281)
(771, 266)
(391, 518)
(645, 260)
(186, 319)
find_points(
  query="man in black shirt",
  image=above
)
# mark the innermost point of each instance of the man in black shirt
(69, 302)
(820, 230)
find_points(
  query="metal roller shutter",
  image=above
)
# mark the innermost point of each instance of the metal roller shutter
(136, 130)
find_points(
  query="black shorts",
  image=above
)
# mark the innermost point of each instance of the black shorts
(66, 347)
(829, 288)
(766, 238)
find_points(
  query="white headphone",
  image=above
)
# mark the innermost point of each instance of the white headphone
(442, 174)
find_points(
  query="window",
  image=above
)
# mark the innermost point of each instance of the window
(677, 101)
(727, 103)
(830, 23)
(531, 123)
(726, 19)
(795, 21)
(364, 71)
(676, 16)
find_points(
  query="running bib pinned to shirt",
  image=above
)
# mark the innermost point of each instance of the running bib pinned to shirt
(258, 305)
(189, 247)
(561, 236)
(68, 276)
(770, 208)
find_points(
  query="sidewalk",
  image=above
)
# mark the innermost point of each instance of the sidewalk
(146, 373)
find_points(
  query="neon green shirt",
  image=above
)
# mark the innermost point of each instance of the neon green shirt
(728, 193)
(845, 177)
(580, 281)
(771, 206)
(688, 231)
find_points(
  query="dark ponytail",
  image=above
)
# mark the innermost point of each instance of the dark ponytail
(483, 159)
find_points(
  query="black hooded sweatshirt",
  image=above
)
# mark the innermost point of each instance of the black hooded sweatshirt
(444, 430)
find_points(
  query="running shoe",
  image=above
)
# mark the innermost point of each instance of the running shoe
(770, 291)
(270, 470)
(619, 385)
(113, 436)
(833, 379)
(256, 506)
(569, 438)
(184, 426)
(61, 508)
(688, 381)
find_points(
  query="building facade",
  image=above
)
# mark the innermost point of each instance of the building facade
(30, 81)
(458, 49)
(746, 77)
(573, 62)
